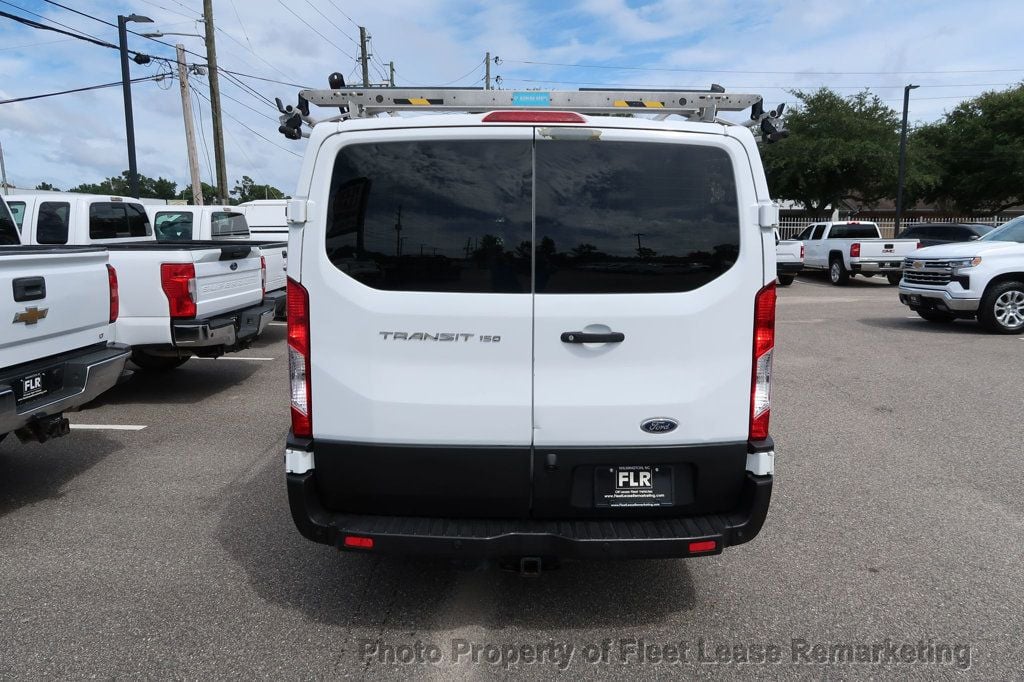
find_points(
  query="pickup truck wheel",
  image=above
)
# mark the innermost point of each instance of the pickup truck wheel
(786, 280)
(1002, 308)
(156, 363)
(894, 278)
(935, 316)
(837, 273)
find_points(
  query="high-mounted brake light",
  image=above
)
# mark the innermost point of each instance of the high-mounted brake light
(761, 375)
(298, 360)
(115, 297)
(179, 281)
(533, 117)
(855, 250)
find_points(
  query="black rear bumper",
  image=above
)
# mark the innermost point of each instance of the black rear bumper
(581, 538)
(785, 268)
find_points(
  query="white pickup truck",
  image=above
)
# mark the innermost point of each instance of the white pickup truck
(982, 278)
(175, 224)
(58, 353)
(851, 247)
(177, 300)
(789, 259)
(266, 218)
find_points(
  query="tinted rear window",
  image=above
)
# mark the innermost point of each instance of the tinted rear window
(229, 225)
(433, 215)
(623, 217)
(8, 228)
(173, 226)
(52, 223)
(114, 220)
(853, 232)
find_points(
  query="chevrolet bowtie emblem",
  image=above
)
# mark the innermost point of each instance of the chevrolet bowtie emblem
(31, 315)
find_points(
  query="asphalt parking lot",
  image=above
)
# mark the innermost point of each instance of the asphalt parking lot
(897, 519)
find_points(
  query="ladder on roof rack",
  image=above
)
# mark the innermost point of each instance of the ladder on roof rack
(696, 105)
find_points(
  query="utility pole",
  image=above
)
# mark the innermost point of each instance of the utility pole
(126, 90)
(363, 58)
(218, 126)
(391, 79)
(190, 133)
(487, 76)
(3, 171)
(903, 161)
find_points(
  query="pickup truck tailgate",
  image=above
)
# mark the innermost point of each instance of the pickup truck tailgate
(52, 300)
(227, 278)
(277, 264)
(886, 249)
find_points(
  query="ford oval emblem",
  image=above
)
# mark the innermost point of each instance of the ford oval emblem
(659, 425)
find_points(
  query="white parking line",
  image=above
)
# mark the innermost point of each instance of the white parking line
(236, 357)
(108, 427)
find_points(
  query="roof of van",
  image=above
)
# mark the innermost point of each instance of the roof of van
(71, 196)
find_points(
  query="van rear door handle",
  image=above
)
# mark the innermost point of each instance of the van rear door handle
(586, 337)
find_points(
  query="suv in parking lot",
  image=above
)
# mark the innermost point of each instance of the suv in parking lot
(530, 334)
(932, 234)
(983, 279)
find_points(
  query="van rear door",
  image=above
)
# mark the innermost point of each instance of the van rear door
(647, 266)
(420, 322)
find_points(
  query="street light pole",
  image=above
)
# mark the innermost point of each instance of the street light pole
(903, 161)
(126, 88)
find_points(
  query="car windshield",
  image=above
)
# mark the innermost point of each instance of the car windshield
(1012, 231)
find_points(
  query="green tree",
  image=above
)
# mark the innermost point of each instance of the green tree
(246, 189)
(150, 188)
(973, 159)
(209, 194)
(839, 148)
(47, 187)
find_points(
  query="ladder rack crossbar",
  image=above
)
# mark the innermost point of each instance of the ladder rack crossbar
(694, 104)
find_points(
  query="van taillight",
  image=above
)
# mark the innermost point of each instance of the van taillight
(115, 298)
(855, 250)
(764, 345)
(298, 360)
(179, 281)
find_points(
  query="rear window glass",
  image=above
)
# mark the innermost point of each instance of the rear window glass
(229, 225)
(8, 228)
(114, 220)
(445, 215)
(52, 223)
(853, 232)
(18, 211)
(173, 226)
(626, 217)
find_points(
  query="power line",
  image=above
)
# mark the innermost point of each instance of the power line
(166, 9)
(202, 134)
(354, 23)
(46, 42)
(85, 89)
(244, 32)
(269, 80)
(310, 27)
(755, 87)
(793, 73)
(317, 10)
(265, 139)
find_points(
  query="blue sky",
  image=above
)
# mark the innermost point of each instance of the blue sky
(954, 50)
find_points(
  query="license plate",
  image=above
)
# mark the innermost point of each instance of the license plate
(633, 485)
(37, 385)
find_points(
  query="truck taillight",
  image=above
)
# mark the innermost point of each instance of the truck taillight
(115, 298)
(178, 282)
(263, 274)
(855, 250)
(801, 252)
(764, 346)
(298, 360)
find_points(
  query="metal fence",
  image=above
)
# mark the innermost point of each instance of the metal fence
(789, 228)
